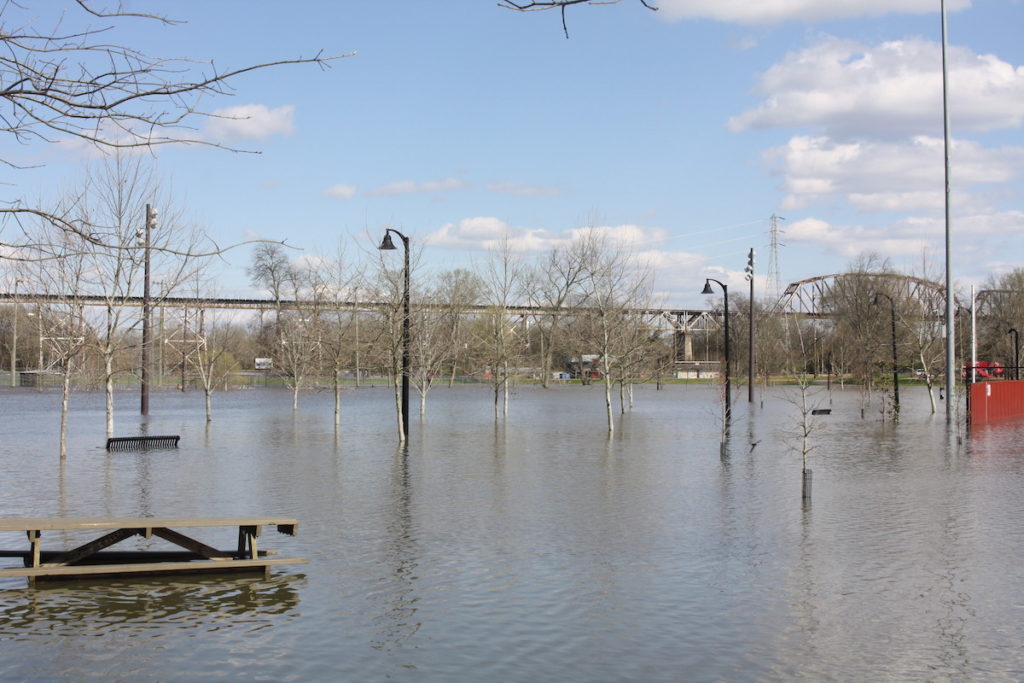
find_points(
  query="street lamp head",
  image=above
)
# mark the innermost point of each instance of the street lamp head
(707, 287)
(386, 243)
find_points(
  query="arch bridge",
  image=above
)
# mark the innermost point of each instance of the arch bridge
(810, 297)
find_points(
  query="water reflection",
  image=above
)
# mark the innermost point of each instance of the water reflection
(396, 594)
(105, 607)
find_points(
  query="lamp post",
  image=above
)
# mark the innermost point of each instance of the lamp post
(725, 303)
(39, 319)
(144, 235)
(387, 244)
(750, 337)
(895, 367)
(1016, 351)
(14, 337)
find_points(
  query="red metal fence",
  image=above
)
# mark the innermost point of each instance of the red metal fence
(996, 400)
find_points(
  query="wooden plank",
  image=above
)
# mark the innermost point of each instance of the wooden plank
(100, 543)
(149, 568)
(285, 525)
(184, 541)
(120, 556)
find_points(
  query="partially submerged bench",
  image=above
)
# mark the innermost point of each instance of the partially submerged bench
(91, 558)
(139, 443)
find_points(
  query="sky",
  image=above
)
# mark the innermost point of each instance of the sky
(678, 132)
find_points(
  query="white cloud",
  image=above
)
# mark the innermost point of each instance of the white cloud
(344, 192)
(984, 235)
(849, 89)
(487, 232)
(410, 187)
(851, 241)
(251, 122)
(775, 11)
(885, 176)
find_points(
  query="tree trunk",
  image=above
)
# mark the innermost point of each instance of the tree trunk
(209, 402)
(927, 381)
(108, 367)
(497, 399)
(504, 385)
(397, 384)
(337, 395)
(64, 412)
(608, 401)
(545, 362)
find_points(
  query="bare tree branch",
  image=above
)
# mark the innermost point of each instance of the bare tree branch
(59, 83)
(541, 5)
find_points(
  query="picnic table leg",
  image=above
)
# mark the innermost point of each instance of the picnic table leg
(33, 537)
(247, 544)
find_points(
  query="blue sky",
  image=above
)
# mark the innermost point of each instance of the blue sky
(680, 131)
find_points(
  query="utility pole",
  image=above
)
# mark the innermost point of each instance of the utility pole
(750, 340)
(14, 337)
(144, 235)
(950, 306)
(774, 278)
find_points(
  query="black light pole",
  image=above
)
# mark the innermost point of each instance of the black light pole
(725, 300)
(144, 236)
(895, 367)
(387, 244)
(750, 337)
(1016, 352)
(14, 337)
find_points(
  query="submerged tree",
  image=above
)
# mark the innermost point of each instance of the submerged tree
(617, 287)
(501, 345)
(113, 203)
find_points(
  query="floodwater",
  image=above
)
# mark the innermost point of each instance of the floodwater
(537, 549)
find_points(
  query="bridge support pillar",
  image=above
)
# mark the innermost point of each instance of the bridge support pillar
(684, 346)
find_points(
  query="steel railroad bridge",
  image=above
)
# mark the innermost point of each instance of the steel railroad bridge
(803, 298)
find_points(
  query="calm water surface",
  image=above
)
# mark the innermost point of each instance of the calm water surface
(537, 549)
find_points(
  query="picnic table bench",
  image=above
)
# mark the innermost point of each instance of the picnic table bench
(140, 443)
(92, 558)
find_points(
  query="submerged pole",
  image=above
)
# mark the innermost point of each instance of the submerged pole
(950, 339)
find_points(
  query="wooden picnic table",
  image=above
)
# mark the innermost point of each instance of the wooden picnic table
(92, 558)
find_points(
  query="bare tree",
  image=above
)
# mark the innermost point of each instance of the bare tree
(65, 332)
(556, 286)
(340, 339)
(807, 405)
(617, 286)
(67, 80)
(211, 361)
(295, 343)
(501, 346)
(301, 331)
(456, 292)
(112, 202)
